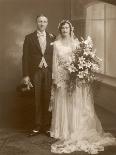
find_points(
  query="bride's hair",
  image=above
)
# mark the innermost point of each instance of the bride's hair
(61, 24)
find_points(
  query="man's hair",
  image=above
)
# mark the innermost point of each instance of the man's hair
(41, 15)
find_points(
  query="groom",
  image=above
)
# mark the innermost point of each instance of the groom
(37, 70)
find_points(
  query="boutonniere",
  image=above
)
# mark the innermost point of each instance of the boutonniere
(51, 35)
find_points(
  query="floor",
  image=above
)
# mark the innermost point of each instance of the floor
(15, 141)
(16, 115)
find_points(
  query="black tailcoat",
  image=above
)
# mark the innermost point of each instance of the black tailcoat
(41, 78)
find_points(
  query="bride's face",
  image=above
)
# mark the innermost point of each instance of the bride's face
(65, 30)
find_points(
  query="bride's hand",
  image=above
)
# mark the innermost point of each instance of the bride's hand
(54, 85)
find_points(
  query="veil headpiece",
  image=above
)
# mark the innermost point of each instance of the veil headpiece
(66, 21)
(71, 28)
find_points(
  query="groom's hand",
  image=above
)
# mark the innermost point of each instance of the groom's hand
(25, 80)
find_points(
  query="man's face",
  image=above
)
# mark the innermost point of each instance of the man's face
(42, 23)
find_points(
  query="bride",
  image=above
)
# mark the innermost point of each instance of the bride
(75, 124)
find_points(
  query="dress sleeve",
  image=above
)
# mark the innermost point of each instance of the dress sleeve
(77, 43)
(55, 63)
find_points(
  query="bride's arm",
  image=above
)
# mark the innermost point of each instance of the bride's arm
(55, 64)
(77, 43)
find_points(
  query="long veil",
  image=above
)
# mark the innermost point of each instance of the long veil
(72, 39)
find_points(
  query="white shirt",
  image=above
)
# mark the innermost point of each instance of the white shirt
(42, 40)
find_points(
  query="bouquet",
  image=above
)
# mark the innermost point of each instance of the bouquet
(83, 64)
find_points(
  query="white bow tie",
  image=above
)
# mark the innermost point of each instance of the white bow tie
(39, 34)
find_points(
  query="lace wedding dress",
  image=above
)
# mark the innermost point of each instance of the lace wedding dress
(75, 124)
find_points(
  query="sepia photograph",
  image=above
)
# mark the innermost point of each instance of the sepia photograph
(57, 77)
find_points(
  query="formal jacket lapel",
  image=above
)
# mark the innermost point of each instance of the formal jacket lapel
(47, 42)
(36, 41)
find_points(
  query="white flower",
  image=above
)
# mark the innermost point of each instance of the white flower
(73, 57)
(88, 42)
(51, 35)
(86, 71)
(86, 51)
(81, 65)
(99, 59)
(88, 64)
(82, 59)
(81, 75)
(95, 67)
(93, 53)
(71, 68)
(89, 39)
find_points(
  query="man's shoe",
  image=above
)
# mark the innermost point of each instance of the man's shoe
(47, 133)
(33, 133)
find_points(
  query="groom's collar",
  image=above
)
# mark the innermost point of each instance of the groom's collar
(39, 33)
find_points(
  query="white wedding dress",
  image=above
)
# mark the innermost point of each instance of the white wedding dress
(75, 124)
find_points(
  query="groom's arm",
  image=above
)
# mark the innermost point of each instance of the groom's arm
(25, 58)
(25, 63)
